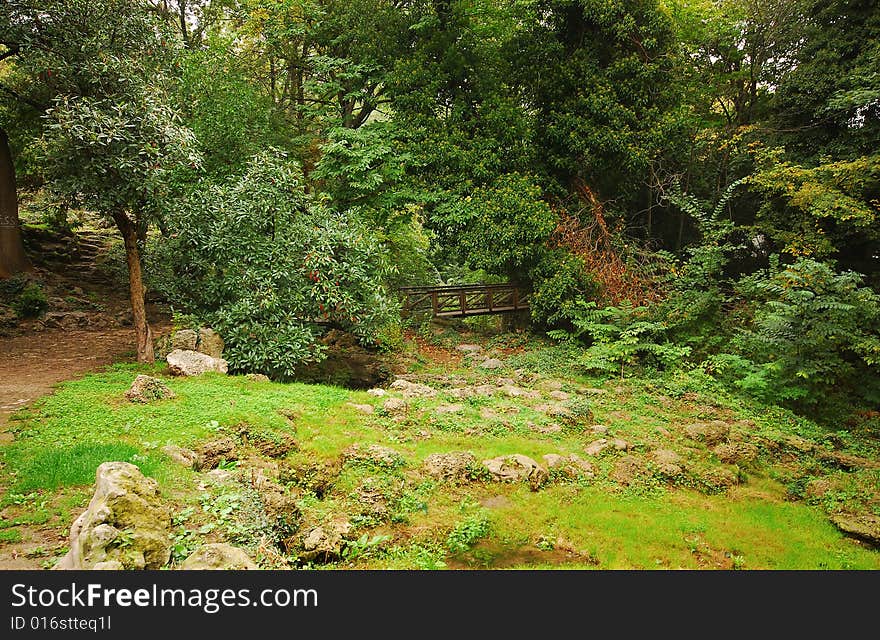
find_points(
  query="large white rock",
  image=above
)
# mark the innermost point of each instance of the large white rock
(125, 526)
(192, 363)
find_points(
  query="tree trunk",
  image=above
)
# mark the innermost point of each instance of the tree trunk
(12, 257)
(136, 287)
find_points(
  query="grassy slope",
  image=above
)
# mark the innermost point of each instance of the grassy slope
(767, 521)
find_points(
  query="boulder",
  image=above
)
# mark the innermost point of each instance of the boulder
(454, 465)
(325, 542)
(596, 447)
(184, 339)
(125, 526)
(146, 389)
(513, 391)
(515, 468)
(448, 408)
(362, 408)
(555, 461)
(668, 462)
(491, 363)
(186, 457)
(413, 389)
(257, 377)
(627, 470)
(210, 454)
(210, 343)
(864, 527)
(378, 392)
(218, 556)
(469, 348)
(561, 396)
(709, 432)
(736, 452)
(192, 363)
(394, 406)
(373, 454)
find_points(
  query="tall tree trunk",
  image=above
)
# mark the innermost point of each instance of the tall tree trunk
(12, 257)
(136, 287)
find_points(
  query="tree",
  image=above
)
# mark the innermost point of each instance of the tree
(93, 68)
(12, 256)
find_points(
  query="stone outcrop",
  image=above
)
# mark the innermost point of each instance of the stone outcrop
(145, 389)
(516, 468)
(218, 556)
(210, 343)
(454, 465)
(125, 526)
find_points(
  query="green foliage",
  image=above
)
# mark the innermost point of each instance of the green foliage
(815, 333)
(559, 282)
(619, 337)
(270, 269)
(467, 532)
(501, 228)
(30, 301)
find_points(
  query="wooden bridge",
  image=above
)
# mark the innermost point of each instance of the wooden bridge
(463, 300)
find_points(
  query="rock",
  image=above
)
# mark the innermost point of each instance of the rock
(185, 457)
(599, 429)
(718, 478)
(846, 461)
(581, 466)
(449, 408)
(272, 444)
(668, 462)
(373, 453)
(491, 363)
(210, 343)
(555, 461)
(126, 506)
(377, 392)
(865, 527)
(484, 390)
(559, 395)
(627, 470)
(218, 556)
(516, 467)
(146, 389)
(394, 406)
(554, 410)
(736, 453)
(257, 377)
(325, 542)
(469, 348)
(711, 433)
(550, 385)
(193, 363)
(619, 445)
(413, 389)
(462, 393)
(596, 447)
(454, 465)
(211, 454)
(185, 340)
(363, 408)
(67, 319)
(512, 391)
(220, 476)
(546, 429)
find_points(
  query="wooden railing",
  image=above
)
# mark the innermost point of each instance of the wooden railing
(463, 300)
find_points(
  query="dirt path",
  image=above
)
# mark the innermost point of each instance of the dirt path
(31, 365)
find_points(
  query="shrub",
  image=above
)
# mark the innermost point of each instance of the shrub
(815, 332)
(271, 270)
(30, 302)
